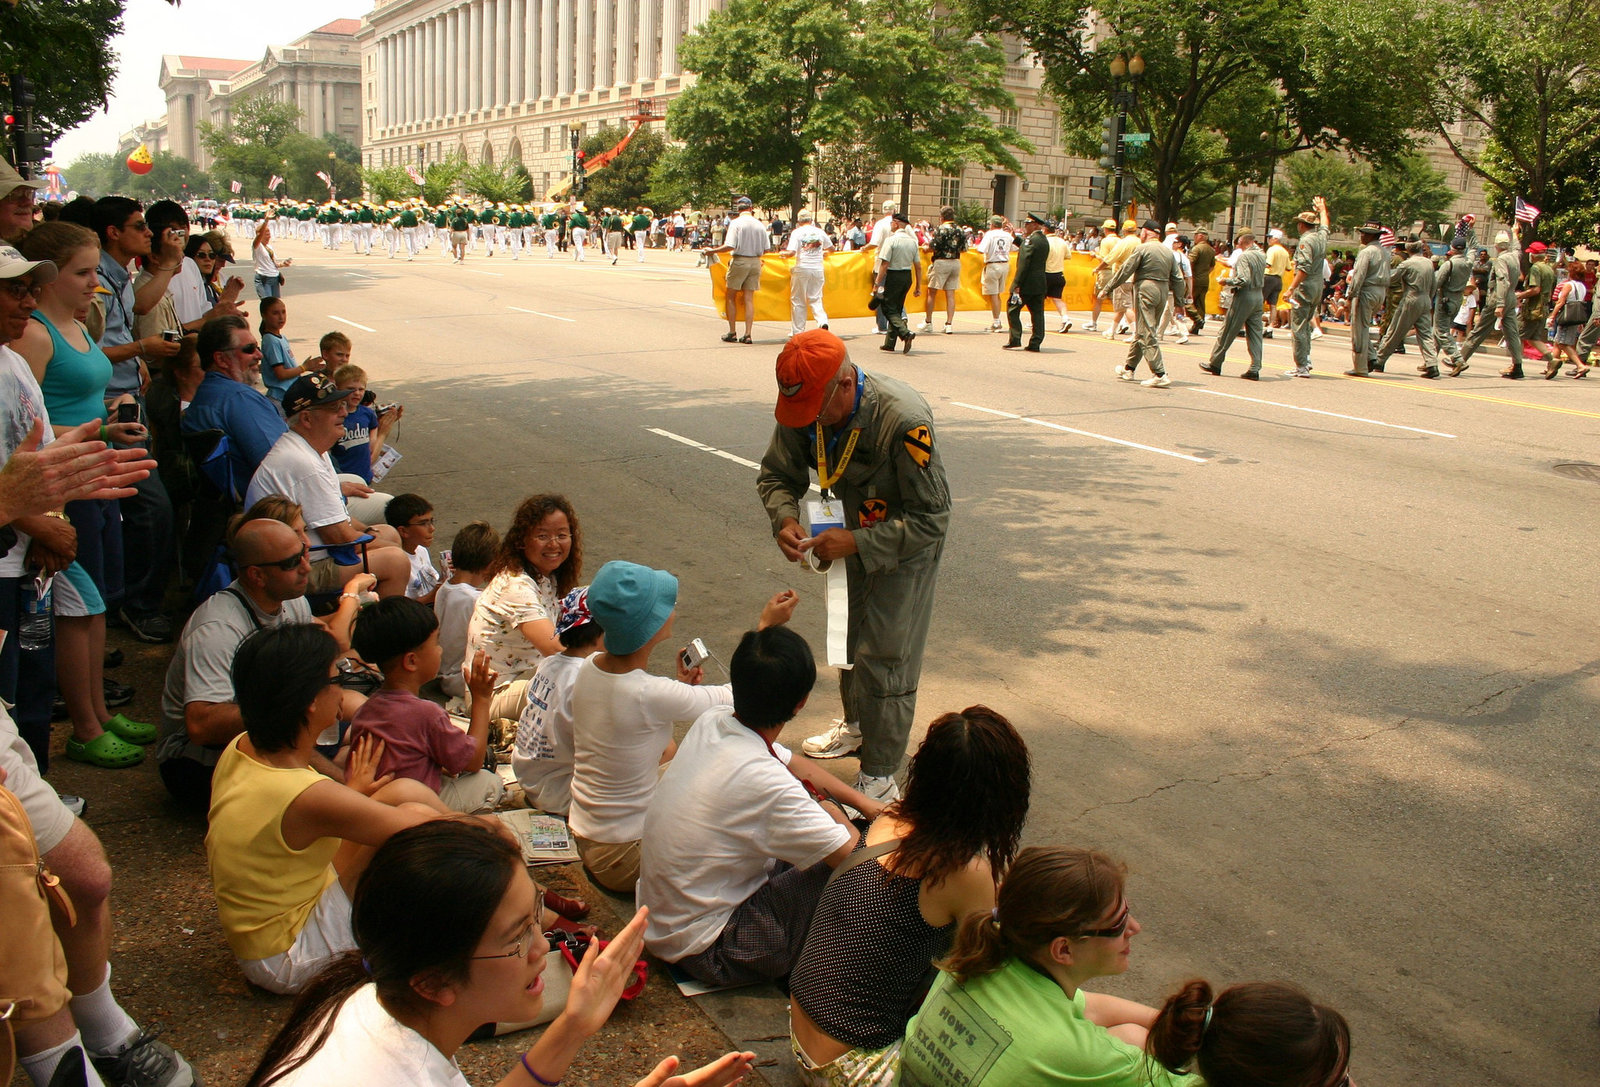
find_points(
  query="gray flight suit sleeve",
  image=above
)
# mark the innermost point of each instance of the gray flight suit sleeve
(785, 476)
(923, 514)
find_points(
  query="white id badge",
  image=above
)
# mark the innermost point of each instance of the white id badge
(823, 514)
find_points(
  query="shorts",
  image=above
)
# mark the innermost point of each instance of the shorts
(613, 865)
(49, 817)
(857, 1068)
(1534, 330)
(1122, 297)
(1054, 284)
(74, 594)
(479, 791)
(744, 274)
(945, 275)
(458, 237)
(1271, 288)
(326, 576)
(1102, 277)
(325, 936)
(994, 277)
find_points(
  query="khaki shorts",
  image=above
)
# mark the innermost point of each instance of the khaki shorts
(326, 576)
(994, 277)
(1122, 297)
(744, 274)
(1102, 276)
(613, 865)
(945, 275)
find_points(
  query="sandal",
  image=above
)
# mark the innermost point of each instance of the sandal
(730, 338)
(135, 732)
(1584, 372)
(573, 909)
(745, 339)
(107, 751)
(564, 924)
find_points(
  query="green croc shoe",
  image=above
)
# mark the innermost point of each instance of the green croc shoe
(135, 732)
(107, 751)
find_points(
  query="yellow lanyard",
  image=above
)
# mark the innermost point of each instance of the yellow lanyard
(824, 480)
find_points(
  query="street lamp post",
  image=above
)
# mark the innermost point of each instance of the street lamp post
(1272, 177)
(1123, 98)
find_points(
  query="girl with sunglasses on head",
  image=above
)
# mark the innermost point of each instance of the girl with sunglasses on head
(447, 940)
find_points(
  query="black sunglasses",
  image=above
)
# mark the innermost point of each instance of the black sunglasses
(286, 565)
(1116, 929)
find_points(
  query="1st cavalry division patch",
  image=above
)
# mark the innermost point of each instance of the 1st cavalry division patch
(919, 445)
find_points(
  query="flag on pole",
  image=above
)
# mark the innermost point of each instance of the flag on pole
(235, 186)
(274, 181)
(1386, 238)
(326, 180)
(1525, 212)
(414, 174)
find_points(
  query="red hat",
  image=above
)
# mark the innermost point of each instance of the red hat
(806, 365)
(1537, 247)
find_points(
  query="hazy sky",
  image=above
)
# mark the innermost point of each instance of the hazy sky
(207, 28)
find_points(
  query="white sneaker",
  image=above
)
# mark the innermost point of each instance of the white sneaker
(842, 738)
(883, 790)
(949, 330)
(1123, 372)
(1183, 337)
(1160, 381)
(1316, 333)
(923, 325)
(1110, 333)
(996, 326)
(1066, 326)
(1091, 327)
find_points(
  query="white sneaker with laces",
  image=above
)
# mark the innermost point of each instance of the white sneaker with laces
(1123, 372)
(1109, 334)
(949, 330)
(883, 790)
(1091, 327)
(1160, 381)
(923, 325)
(1316, 333)
(842, 738)
(1066, 326)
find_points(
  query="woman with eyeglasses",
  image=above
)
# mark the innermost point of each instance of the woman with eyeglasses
(891, 909)
(445, 925)
(514, 620)
(73, 372)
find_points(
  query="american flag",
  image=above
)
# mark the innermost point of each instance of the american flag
(1386, 238)
(274, 181)
(326, 180)
(1525, 212)
(414, 174)
(235, 186)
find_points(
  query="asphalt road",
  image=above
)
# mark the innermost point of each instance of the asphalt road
(1310, 655)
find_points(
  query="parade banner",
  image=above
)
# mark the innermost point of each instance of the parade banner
(847, 284)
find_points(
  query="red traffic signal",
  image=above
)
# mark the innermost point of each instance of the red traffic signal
(11, 119)
(582, 155)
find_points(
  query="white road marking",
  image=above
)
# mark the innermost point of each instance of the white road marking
(352, 324)
(696, 305)
(481, 272)
(1083, 433)
(713, 450)
(1331, 414)
(536, 313)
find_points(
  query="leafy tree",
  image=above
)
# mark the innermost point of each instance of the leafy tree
(306, 156)
(1220, 69)
(496, 184)
(847, 176)
(1336, 179)
(974, 214)
(170, 177)
(439, 179)
(1408, 189)
(1523, 72)
(932, 79)
(95, 174)
(680, 179)
(385, 183)
(625, 181)
(775, 78)
(252, 147)
(64, 48)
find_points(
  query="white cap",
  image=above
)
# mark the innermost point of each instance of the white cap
(13, 265)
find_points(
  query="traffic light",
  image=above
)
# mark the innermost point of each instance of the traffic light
(32, 149)
(22, 96)
(1110, 140)
(577, 170)
(1100, 189)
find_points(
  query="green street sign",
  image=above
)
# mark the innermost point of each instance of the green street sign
(1135, 139)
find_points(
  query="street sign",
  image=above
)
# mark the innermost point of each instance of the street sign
(1135, 139)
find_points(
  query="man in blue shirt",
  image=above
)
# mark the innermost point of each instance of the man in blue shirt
(226, 401)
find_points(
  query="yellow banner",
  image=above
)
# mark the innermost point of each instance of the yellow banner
(847, 283)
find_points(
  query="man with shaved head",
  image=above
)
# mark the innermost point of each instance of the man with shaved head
(198, 713)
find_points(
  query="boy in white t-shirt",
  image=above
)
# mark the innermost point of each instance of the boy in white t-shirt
(411, 516)
(467, 562)
(542, 759)
(742, 834)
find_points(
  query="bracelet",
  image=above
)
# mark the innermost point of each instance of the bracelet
(102, 432)
(350, 596)
(537, 1078)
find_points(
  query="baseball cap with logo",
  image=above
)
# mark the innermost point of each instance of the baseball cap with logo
(13, 264)
(806, 366)
(311, 391)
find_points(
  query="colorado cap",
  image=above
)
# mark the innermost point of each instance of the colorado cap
(14, 265)
(806, 366)
(11, 181)
(311, 391)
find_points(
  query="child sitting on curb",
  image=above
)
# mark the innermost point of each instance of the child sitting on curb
(543, 757)
(468, 561)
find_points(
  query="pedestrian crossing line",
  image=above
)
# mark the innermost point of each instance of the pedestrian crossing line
(696, 305)
(537, 313)
(1082, 433)
(1415, 386)
(713, 450)
(1319, 411)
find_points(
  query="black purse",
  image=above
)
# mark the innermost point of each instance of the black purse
(1574, 311)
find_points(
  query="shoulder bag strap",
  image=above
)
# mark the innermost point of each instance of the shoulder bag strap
(245, 604)
(871, 852)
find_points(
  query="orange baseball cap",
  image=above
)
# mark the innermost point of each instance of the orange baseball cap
(806, 365)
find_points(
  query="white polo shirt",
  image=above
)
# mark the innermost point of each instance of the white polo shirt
(747, 237)
(292, 468)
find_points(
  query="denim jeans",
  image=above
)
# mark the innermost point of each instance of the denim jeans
(99, 525)
(27, 677)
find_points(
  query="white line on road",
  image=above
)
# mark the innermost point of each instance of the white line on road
(1318, 411)
(536, 313)
(713, 450)
(696, 305)
(481, 272)
(352, 324)
(1084, 433)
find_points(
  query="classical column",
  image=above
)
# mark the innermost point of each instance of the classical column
(583, 51)
(605, 18)
(564, 47)
(503, 50)
(384, 71)
(447, 65)
(473, 57)
(671, 34)
(518, 45)
(530, 50)
(647, 40)
(627, 36)
(547, 48)
(391, 82)
(486, 55)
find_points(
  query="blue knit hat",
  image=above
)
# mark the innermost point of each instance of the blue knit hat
(631, 602)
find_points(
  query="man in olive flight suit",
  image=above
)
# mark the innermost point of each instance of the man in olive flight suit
(1500, 300)
(1244, 311)
(1449, 283)
(1155, 273)
(1369, 279)
(1305, 288)
(880, 462)
(1028, 282)
(1414, 310)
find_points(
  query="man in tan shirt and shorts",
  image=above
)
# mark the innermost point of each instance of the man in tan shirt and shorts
(747, 240)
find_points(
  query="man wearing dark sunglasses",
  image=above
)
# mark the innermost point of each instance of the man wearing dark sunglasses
(198, 713)
(226, 401)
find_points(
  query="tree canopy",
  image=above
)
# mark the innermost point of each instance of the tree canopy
(64, 48)
(625, 181)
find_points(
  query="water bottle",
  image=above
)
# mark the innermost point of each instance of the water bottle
(38, 605)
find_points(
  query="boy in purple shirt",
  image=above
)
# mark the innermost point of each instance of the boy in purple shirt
(419, 741)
